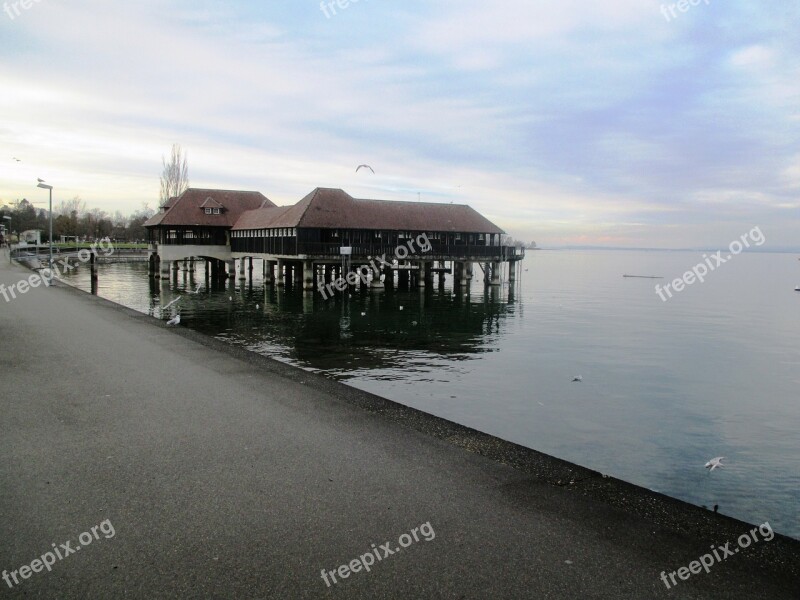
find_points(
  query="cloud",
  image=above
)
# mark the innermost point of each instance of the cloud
(544, 116)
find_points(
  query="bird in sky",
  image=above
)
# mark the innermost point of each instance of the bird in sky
(18, 160)
(714, 463)
(578, 378)
(174, 321)
(365, 167)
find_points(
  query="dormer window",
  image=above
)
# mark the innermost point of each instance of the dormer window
(211, 206)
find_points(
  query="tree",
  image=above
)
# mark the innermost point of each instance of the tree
(174, 176)
(136, 230)
(67, 207)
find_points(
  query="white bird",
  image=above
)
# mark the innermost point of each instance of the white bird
(414, 323)
(365, 167)
(401, 308)
(257, 307)
(578, 378)
(171, 303)
(714, 463)
(230, 298)
(174, 320)
(363, 314)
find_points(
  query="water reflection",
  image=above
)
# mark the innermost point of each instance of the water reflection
(355, 330)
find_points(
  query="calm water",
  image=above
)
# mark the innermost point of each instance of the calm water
(715, 371)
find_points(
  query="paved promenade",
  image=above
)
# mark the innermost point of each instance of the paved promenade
(223, 474)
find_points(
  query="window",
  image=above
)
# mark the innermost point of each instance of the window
(208, 211)
(216, 211)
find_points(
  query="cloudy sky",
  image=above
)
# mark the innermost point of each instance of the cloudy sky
(571, 122)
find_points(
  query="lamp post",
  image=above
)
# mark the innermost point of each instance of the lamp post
(44, 186)
(8, 235)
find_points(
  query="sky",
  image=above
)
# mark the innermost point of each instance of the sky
(622, 123)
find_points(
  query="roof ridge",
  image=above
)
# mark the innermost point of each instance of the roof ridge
(221, 190)
(314, 193)
(412, 202)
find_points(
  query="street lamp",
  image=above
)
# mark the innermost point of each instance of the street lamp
(44, 186)
(8, 235)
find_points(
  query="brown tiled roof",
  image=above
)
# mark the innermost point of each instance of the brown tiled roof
(327, 208)
(189, 207)
(254, 219)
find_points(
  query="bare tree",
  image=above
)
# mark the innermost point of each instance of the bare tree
(175, 175)
(67, 207)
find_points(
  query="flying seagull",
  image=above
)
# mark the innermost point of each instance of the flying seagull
(714, 463)
(578, 378)
(174, 320)
(365, 167)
